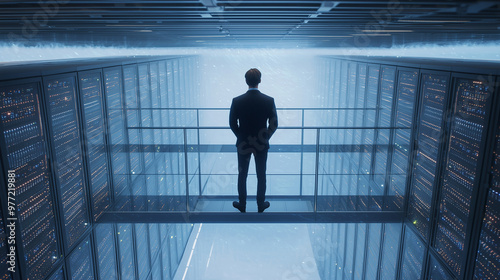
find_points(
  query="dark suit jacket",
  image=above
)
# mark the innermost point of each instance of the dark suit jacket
(249, 117)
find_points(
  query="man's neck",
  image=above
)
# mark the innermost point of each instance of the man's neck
(253, 88)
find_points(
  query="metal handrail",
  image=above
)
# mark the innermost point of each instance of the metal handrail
(302, 128)
(227, 109)
(317, 152)
(284, 127)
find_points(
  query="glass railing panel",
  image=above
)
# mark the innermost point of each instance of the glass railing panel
(346, 171)
(289, 117)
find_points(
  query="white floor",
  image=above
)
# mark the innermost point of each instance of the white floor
(248, 251)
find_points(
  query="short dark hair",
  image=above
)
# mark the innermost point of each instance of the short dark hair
(252, 77)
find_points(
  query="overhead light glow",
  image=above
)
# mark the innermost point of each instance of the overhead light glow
(328, 36)
(431, 21)
(386, 31)
(205, 36)
(143, 31)
(372, 34)
(215, 9)
(257, 35)
(130, 25)
(327, 6)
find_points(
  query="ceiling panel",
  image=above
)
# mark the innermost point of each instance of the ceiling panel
(247, 23)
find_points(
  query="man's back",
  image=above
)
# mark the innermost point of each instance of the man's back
(249, 117)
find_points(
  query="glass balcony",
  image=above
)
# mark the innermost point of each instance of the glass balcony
(312, 167)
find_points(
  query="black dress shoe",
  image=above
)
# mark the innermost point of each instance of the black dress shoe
(240, 207)
(264, 206)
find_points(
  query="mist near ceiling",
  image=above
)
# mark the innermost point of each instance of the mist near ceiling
(468, 50)
(290, 75)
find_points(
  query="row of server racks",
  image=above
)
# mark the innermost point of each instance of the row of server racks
(68, 155)
(433, 153)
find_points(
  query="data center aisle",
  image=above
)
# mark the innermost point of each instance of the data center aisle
(248, 251)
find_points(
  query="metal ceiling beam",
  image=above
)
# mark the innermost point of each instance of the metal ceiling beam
(300, 19)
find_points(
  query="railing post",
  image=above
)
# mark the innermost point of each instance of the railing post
(199, 155)
(186, 168)
(316, 172)
(302, 152)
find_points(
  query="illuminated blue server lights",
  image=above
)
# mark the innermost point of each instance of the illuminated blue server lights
(437, 162)
(119, 170)
(64, 135)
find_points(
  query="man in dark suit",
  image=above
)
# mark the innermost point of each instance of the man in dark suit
(249, 117)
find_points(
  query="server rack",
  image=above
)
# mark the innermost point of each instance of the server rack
(80, 262)
(339, 257)
(75, 118)
(164, 162)
(340, 85)
(96, 151)
(482, 262)
(165, 252)
(436, 270)
(127, 261)
(321, 86)
(425, 189)
(174, 256)
(432, 132)
(486, 261)
(371, 119)
(402, 139)
(105, 249)
(59, 274)
(156, 270)
(64, 128)
(4, 246)
(117, 137)
(384, 136)
(344, 76)
(130, 78)
(25, 150)
(349, 251)
(153, 247)
(461, 175)
(389, 252)
(146, 114)
(360, 248)
(430, 137)
(154, 241)
(348, 158)
(373, 250)
(152, 179)
(154, 71)
(412, 256)
(361, 182)
(142, 250)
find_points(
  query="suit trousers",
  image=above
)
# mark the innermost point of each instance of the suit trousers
(260, 166)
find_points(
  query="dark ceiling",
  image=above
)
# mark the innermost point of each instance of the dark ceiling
(219, 23)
